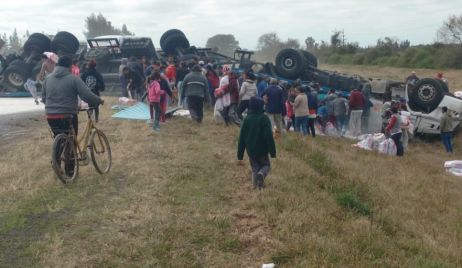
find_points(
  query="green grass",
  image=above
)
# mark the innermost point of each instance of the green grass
(180, 199)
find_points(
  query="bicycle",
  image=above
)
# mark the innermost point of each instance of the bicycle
(70, 151)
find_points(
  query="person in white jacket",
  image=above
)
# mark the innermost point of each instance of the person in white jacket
(248, 90)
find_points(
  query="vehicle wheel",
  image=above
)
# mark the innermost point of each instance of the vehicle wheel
(99, 54)
(100, 152)
(443, 85)
(168, 33)
(290, 63)
(2, 63)
(312, 60)
(426, 95)
(37, 43)
(11, 57)
(174, 42)
(64, 43)
(16, 74)
(64, 159)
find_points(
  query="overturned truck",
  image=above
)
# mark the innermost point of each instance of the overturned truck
(425, 98)
(16, 68)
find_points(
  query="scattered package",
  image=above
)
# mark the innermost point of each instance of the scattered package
(377, 142)
(127, 101)
(454, 167)
(387, 147)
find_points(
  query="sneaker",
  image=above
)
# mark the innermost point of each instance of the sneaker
(157, 129)
(260, 180)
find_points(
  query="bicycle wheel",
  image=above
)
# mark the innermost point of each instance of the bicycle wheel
(100, 152)
(64, 158)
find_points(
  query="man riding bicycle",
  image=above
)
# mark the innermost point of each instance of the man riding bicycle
(60, 94)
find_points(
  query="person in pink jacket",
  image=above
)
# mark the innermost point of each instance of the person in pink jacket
(154, 95)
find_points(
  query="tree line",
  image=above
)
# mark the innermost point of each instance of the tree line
(446, 52)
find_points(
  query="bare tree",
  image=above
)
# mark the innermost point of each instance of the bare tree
(451, 31)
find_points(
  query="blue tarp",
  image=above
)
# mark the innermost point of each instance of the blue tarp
(140, 111)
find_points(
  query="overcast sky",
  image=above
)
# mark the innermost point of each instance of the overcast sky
(363, 21)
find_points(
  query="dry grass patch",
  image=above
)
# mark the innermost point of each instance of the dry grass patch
(178, 199)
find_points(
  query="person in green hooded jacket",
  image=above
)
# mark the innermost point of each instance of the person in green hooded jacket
(256, 137)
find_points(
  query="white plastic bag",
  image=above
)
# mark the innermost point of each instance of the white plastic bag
(331, 130)
(387, 147)
(366, 142)
(377, 139)
(453, 164)
(455, 171)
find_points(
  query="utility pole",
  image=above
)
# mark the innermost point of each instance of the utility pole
(343, 37)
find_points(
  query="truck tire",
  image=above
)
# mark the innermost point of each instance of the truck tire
(2, 63)
(444, 86)
(64, 43)
(16, 74)
(168, 33)
(426, 95)
(311, 59)
(290, 63)
(174, 42)
(37, 43)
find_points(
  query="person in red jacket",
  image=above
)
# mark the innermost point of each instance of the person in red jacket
(356, 105)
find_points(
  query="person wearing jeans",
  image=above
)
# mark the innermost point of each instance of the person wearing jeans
(195, 88)
(394, 128)
(256, 138)
(445, 129)
(301, 112)
(275, 108)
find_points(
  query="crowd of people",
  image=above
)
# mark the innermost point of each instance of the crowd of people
(263, 107)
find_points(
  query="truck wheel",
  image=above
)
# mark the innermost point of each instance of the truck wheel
(174, 42)
(2, 63)
(426, 95)
(168, 33)
(444, 86)
(64, 43)
(290, 63)
(16, 74)
(312, 60)
(37, 43)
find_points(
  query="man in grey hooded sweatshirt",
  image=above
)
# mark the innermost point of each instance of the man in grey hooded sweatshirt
(60, 94)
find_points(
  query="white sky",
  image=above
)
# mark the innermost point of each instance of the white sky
(363, 21)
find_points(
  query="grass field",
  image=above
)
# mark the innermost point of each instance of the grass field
(179, 199)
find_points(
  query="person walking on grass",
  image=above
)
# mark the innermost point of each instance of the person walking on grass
(394, 130)
(356, 105)
(312, 103)
(94, 82)
(256, 137)
(154, 95)
(195, 88)
(275, 108)
(341, 113)
(445, 129)
(248, 90)
(301, 112)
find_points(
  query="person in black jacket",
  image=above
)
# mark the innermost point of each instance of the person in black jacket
(94, 82)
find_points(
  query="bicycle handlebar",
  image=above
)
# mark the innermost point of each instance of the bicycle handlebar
(87, 109)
